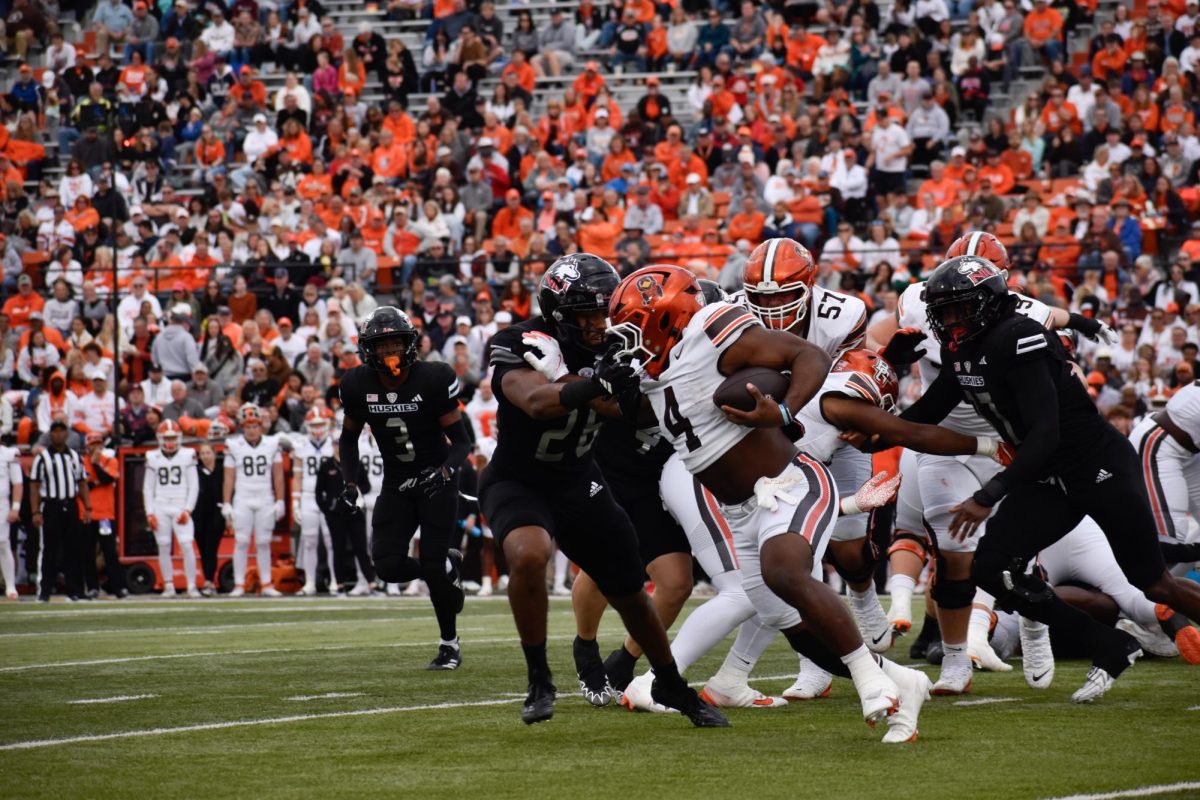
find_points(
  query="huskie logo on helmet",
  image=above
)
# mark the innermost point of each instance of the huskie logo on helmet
(977, 269)
(561, 276)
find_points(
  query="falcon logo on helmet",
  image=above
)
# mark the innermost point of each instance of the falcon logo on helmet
(649, 311)
(169, 436)
(873, 378)
(778, 279)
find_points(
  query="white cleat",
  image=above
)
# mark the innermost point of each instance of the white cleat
(953, 683)
(12, 595)
(393, 590)
(238, 591)
(560, 591)
(983, 656)
(1094, 687)
(874, 626)
(309, 590)
(812, 682)
(485, 588)
(360, 590)
(413, 589)
(733, 695)
(1154, 642)
(1036, 656)
(194, 593)
(914, 691)
(636, 696)
(271, 591)
(880, 698)
(168, 592)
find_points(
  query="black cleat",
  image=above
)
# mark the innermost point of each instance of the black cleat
(593, 682)
(934, 653)
(456, 559)
(619, 667)
(448, 658)
(685, 700)
(539, 703)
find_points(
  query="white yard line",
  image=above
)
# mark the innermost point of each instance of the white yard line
(985, 701)
(1141, 791)
(304, 698)
(121, 698)
(244, 723)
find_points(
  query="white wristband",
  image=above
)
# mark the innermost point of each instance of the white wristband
(849, 507)
(986, 446)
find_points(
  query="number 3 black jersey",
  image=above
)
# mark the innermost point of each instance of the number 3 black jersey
(551, 450)
(405, 421)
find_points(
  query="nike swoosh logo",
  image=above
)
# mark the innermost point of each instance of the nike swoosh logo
(1037, 678)
(879, 638)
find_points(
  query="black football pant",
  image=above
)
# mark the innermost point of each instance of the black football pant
(1106, 485)
(396, 519)
(113, 571)
(62, 548)
(210, 527)
(349, 533)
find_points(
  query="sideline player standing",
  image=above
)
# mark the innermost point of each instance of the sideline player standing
(412, 409)
(254, 482)
(308, 452)
(12, 488)
(169, 491)
(1069, 463)
(543, 482)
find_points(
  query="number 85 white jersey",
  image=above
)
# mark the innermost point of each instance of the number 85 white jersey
(682, 395)
(252, 466)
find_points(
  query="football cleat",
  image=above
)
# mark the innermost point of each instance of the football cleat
(238, 591)
(934, 653)
(1036, 655)
(619, 670)
(448, 658)
(11, 594)
(1156, 643)
(812, 682)
(360, 590)
(982, 655)
(873, 623)
(393, 590)
(1098, 682)
(593, 681)
(1188, 643)
(168, 592)
(685, 700)
(914, 691)
(880, 698)
(194, 593)
(455, 574)
(539, 703)
(271, 591)
(637, 696)
(732, 695)
(309, 590)
(952, 683)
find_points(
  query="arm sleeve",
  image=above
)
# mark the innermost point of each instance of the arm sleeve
(348, 446)
(938, 401)
(1032, 382)
(460, 444)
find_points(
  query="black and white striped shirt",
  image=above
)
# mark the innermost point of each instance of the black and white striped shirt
(59, 474)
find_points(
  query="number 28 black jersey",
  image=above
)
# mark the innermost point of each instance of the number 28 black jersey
(405, 421)
(538, 450)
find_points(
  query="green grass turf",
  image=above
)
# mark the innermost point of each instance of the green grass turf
(1039, 745)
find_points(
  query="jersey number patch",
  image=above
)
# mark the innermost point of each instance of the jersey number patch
(548, 449)
(170, 476)
(677, 424)
(399, 430)
(831, 306)
(255, 465)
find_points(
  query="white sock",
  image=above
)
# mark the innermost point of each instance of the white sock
(486, 582)
(8, 565)
(980, 624)
(263, 557)
(308, 558)
(955, 658)
(452, 643)
(709, 624)
(241, 561)
(864, 599)
(752, 641)
(561, 563)
(166, 567)
(863, 665)
(189, 564)
(901, 588)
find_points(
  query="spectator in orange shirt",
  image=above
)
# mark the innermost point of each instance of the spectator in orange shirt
(1058, 112)
(588, 84)
(19, 306)
(802, 50)
(1061, 250)
(403, 129)
(747, 223)
(248, 92)
(943, 188)
(520, 66)
(667, 151)
(999, 173)
(507, 222)
(554, 130)
(1110, 60)
(352, 75)
(1043, 30)
(296, 142)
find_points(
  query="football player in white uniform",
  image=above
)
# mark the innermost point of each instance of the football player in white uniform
(307, 452)
(169, 489)
(12, 487)
(780, 503)
(253, 497)
(935, 484)
(372, 467)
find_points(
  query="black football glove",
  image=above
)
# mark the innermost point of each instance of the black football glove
(902, 351)
(432, 480)
(613, 375)
(348, 502)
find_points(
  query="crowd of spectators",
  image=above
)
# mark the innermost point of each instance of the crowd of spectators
(242, 182)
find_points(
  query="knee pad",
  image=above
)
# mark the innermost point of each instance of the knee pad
(953, 594)
(910, 542)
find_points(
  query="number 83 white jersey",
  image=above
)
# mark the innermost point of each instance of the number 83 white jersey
(171, 480)
(252, 466)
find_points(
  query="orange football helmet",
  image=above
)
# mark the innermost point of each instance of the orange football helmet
(317, 422)
(220, 427)
(649, 310)
(249, 414)
(170, 435)
(778, 279)
(982, 244)
(874, 378)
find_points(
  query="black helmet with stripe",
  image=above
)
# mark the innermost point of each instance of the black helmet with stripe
(963, 297)
(381, 325)
(577, 283)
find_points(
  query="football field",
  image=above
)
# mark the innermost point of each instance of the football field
(329, 698)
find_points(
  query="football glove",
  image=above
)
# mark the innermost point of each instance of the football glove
(152, 521)
(280, 510)
(614, 376)
(769, 491)
(351, 500)
(905, 349)
(433, 479)
(227, 512)
(876, 492)
(183, 517)
(1107, 335)
(550, 364)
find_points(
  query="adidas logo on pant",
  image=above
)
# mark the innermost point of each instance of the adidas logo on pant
(1103, 475)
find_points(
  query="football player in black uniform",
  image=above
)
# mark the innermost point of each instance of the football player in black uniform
(412, 408)
(1069, 461)
(542, 481)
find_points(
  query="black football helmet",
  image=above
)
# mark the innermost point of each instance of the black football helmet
(712, 291)
(388, 322)
(964, 296)
(575, 283)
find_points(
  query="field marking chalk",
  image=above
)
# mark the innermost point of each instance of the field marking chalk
(121, 698)
(244, 723)
(304, 698)
(984, 701)
(1141, 791)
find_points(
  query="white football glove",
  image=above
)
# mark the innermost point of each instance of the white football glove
(769, 491)
(551, 365)
(227, 512)
(876, 492)
(1107, 335)
(280, 510)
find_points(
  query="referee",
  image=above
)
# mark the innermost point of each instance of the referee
(57, 482)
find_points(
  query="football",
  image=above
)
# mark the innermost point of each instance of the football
(732, 391)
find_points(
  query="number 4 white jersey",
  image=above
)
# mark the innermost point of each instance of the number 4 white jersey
(252, 466)
(171, 480)
(306, 458)
(682, 395)
(910, 313)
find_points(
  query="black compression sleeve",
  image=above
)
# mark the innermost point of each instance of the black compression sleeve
(1037, 400)
(348, 447)
(577, 394)
(460, 444)
(1088, 327)
(938, 401)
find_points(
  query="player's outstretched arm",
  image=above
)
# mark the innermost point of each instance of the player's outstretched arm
(860, 415)
(939, 400)
(759, 347)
